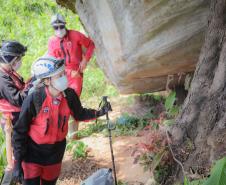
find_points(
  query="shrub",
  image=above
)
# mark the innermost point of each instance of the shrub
(78, 149)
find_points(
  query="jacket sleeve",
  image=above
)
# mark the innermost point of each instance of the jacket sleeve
(51, 48)
(22, 126)
(88, 44)
(11, 93)
(78, 112)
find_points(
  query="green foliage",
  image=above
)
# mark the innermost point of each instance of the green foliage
(129, 125)
(122, 183)
(95, 84)
(150, 115)
(217, 177)
(171, 109)
(161, 172)
(90, 129)
(2, 152)
(157, 97)
(170, 100)
(218, 173)
(169, 122)
(186, 181)
(153, 153)
(197, 182)
(78, 149)
(124, 125)
(28, 22)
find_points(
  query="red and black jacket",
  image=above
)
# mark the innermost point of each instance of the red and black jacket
(40, 132)
(12, 87)
(12, 93)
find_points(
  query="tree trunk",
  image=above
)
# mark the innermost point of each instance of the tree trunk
(199, 134)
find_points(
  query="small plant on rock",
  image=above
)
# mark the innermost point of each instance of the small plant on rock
(153, 153)
(171, 109)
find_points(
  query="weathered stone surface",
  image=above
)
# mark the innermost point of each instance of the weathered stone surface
(69, 4)
(140, 42)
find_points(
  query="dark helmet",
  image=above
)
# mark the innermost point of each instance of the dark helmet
(11, 50)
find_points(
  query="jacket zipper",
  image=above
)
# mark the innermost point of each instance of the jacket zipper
(63, 124)
(69, 57)
(47, 126)
(62, 48)
(59, 121)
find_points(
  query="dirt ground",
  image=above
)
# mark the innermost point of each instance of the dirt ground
(99, 156)
(73, 172)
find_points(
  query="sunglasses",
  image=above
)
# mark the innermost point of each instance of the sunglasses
(58, 64)
(58, 27)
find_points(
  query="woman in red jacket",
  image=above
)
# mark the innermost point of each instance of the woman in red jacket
(39, 136)
(68, 45)
(12, 93)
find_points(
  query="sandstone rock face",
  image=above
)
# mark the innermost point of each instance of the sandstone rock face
(139, 43)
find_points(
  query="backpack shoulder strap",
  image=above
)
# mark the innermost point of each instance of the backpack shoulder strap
(39, 97)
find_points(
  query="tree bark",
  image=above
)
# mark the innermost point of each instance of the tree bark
(199, 134)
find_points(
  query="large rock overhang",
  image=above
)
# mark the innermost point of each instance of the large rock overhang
(140, 43)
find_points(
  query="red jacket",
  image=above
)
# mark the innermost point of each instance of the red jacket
(12, 92)
(39, 134)
(70, 48)
(50, 124)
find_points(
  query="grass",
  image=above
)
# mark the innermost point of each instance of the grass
(2, 152)
(91, 129)
(95, 83)
(78, 149)
(125, 125)
(28, 22)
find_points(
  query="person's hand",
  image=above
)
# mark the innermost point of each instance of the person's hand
(75, 74)
(82, 65)
(106, 108)
(18, 172)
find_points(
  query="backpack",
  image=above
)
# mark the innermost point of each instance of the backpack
(102, 176)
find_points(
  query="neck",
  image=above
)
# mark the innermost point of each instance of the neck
(53, 92)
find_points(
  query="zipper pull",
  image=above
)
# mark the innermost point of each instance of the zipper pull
(63, 124)
(59, 121)
(47, 126)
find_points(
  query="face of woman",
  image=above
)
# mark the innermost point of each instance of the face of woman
(17, 64)
(58, 83)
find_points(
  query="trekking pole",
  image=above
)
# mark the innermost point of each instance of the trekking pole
(104, 99)
(8, 136)
(6, 178)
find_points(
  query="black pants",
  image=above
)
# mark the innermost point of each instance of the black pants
(38, 181)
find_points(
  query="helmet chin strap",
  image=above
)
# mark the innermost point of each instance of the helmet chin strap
(14, 59)
(11, 62)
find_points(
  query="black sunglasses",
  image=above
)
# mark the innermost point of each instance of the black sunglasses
(58, 27)
(59, 63)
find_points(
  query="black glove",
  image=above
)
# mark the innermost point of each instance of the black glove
(18, 172)
(106, 108)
